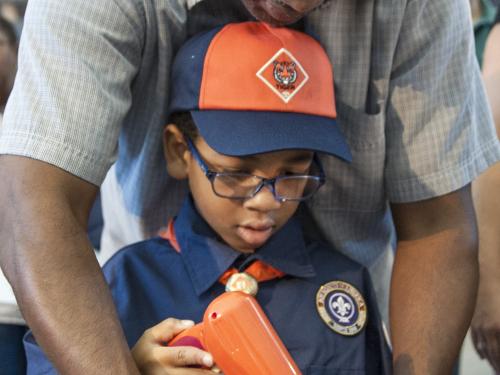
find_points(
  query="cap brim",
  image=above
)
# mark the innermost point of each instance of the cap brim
(241, 133)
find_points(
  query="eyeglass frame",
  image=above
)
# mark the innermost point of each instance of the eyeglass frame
(271, 182)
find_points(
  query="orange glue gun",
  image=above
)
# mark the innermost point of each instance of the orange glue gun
(242, 341)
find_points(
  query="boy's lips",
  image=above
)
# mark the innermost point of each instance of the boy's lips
(255, 235)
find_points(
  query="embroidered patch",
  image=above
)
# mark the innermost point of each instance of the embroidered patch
(342, 307)
(284, 75)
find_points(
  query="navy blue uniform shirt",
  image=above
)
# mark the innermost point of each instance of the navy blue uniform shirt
(150, 282)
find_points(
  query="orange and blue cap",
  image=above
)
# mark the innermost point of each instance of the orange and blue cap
(252, 88)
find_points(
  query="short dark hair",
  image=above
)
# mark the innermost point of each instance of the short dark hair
(184, 121)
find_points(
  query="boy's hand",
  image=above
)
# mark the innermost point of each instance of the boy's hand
(153, 357)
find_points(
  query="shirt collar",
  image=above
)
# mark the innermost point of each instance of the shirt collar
(206, 258)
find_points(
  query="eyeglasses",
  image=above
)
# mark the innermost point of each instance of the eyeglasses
(245, 186)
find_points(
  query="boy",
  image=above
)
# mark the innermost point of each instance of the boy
(251, 107)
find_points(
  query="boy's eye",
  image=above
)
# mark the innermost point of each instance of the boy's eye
(296, 171)
(235, 170)
(252, 173)
(219, 168)
(292, 173)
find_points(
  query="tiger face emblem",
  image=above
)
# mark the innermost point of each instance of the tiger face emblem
(284, 73)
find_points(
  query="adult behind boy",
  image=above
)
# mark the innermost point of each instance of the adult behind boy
(246, 137)
(93, 86)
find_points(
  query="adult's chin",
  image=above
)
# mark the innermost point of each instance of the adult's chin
(273, 12)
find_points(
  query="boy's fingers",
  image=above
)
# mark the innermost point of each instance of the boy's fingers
(182, 356)
(167, 329)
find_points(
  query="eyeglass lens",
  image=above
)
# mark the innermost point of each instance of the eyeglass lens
(246, 186)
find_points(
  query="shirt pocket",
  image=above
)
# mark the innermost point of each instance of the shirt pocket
(359, 185)
(328, 370)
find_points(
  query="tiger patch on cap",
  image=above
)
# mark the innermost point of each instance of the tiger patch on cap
(283, 74)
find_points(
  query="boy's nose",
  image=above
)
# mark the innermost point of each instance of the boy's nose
(264, 200)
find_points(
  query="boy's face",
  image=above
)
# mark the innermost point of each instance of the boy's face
(244, 225)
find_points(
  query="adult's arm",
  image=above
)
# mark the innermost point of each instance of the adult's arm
(439, 137)
(434, 282)
(485, 326)
(77, 64)
(50, 263)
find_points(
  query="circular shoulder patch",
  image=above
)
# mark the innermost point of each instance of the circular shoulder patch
(342, 307)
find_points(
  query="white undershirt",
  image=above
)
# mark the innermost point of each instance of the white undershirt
(9, 312)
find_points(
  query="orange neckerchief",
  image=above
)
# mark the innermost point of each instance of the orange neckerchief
(259, 270)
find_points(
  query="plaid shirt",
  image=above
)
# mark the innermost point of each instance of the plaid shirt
(92, 90)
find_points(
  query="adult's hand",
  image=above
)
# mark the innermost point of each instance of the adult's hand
(485, 327)
(50, 263)
(434, 282)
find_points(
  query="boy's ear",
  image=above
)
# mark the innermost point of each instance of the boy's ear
(176, 152)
